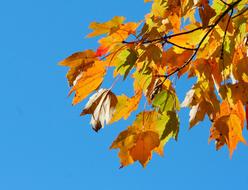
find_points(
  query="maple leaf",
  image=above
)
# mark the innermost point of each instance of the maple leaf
(170, 57)
(101, 51)
(126, 106)
(117, 36)
(228, 125)
(222, 24)
(202, 100)
(240, 67)
(166, 101)
(124, 61)
(150, 54)
(102, 106)
(149, 132)
(78, 62)
(145, 143)
(235, 92)
(106, 27)
(206, 13)
(88, 81)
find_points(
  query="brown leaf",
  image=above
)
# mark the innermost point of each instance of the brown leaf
(206, 13)
(102, 106)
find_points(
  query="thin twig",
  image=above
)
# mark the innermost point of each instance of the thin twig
(115, 81)
(182, 47)
(240, 13)
(188, 32)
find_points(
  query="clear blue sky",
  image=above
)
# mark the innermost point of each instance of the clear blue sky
(45, 145)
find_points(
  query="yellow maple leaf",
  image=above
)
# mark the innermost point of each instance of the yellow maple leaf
(88, 81)
(78, 63)
(106, 27)
(118, 36)
(202, 100)
(126, 106)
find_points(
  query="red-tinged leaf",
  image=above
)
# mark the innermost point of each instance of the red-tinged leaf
(101, 51)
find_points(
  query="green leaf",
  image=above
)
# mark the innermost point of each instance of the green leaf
(172, 126)
(219, 7)
(166, 101)
(128, 58)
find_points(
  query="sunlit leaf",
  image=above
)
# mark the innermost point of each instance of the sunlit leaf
(227, 127)
(149, 132)
(106, 27)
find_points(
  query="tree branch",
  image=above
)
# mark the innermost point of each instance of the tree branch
(182, 47)
(225, 3)
(240, 13)
(188, 32)
(202, 40)
(163, 39)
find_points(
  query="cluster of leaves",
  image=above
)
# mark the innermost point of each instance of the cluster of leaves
(206, 40)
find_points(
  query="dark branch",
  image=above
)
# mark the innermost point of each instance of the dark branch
(164, 39)
(240, 13)
(225, 3)
(182, 47)
(230, 8)
(188, 32)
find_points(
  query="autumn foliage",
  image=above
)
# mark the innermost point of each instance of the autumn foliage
(204, 39)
